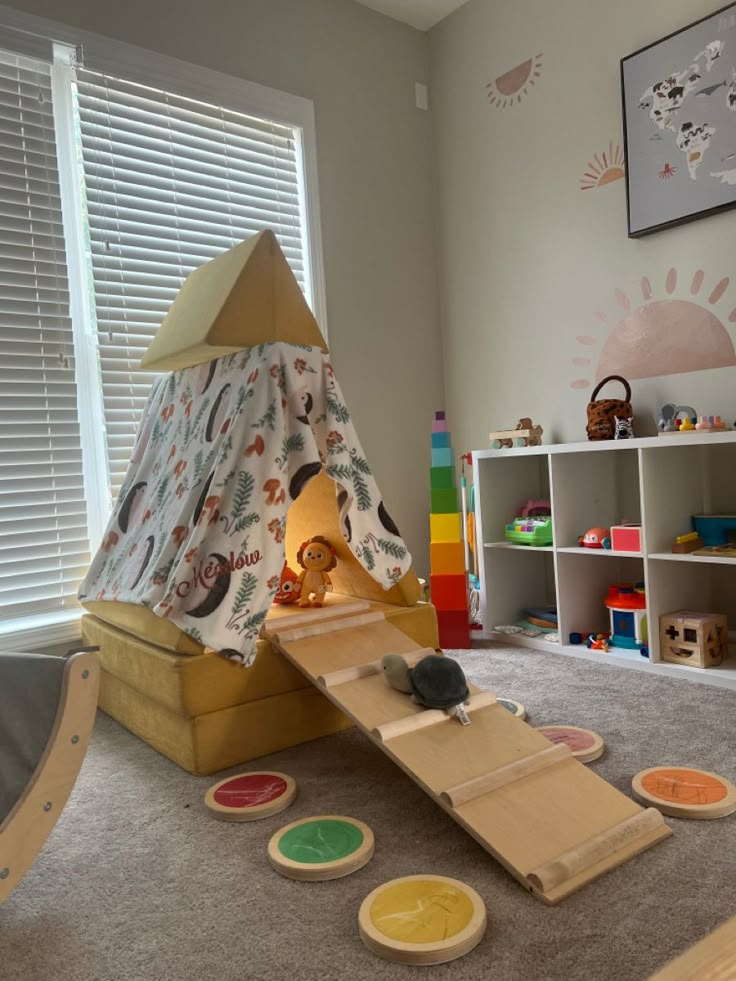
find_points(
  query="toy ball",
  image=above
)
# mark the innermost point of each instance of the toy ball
(595, 538)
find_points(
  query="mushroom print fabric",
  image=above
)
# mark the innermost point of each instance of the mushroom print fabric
(197, 533)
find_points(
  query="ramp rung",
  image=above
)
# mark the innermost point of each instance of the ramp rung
(358, 671)
(503, 775)
(558, 870)
(285, 636)
(314, 614)
(429, 717)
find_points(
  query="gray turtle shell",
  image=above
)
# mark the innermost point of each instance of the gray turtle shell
(438, 682)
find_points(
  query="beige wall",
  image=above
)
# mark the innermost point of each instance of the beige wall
(374, 160)
(527, 259)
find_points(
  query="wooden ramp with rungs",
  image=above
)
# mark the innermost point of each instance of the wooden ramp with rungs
(551, 821)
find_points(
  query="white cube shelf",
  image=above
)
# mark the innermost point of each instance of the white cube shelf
(657, 482)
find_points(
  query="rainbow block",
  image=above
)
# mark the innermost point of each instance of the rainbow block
(439, 426)
(439, 440)
(447, 558)
(442, 457)
(445, 527)
(453, 627)
(444, 501)
(449, 592)
(441, 477)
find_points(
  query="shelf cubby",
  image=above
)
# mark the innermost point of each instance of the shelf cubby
(521, 577)
(583, 584)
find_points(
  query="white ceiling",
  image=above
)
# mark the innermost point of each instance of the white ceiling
(422, 14)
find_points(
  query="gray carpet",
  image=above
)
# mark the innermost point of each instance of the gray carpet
(138, 883)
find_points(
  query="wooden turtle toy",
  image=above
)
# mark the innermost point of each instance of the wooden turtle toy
(436, 682)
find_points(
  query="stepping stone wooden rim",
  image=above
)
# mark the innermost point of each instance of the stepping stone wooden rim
(250, 796)
(516, 708)
(351, 837)
(585, 745)
(422, 919)
(686, 792)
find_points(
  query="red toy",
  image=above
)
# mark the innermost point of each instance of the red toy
(289, 587)
(595, 538)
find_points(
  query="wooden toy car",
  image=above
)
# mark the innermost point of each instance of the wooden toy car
(525, 434)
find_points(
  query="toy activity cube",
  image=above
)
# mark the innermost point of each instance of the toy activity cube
(697, 639)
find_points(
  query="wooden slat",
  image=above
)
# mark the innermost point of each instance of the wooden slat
(463, 792)
(335, 678)
(324, 627)
(290, 615)
(552, 874)
(429, 717)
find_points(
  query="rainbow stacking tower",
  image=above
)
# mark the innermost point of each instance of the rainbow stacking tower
(448, 579)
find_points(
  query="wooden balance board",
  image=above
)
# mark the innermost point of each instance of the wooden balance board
(584, 744)
(685, 792)
(422, 919)
(250, 796)
(315, 849)
(553, 823)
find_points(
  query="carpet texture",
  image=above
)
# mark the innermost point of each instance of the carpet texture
(138, 883)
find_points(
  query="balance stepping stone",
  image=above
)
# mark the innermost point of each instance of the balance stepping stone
(319, 848)
(422, 919)
(684, 792)
(250, 796)
(585, 745)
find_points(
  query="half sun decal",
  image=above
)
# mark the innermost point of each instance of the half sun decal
(508, 89)
(669, 335)
(603, 169)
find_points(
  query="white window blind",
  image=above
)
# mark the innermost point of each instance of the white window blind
(170, 183)
(44, 550)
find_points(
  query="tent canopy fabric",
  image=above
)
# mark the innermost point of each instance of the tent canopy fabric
(223, 449)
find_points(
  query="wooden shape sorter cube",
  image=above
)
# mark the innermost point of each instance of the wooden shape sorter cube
(697, 639)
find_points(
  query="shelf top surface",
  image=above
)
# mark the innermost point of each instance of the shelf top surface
(644, 442)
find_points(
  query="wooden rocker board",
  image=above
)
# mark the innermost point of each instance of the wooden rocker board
(30, 822)
(685, 792)
(515, 708)
(712, 959)
(584, 744)
(551, 822)
(315, 849)
(250, 796)
(422, 919)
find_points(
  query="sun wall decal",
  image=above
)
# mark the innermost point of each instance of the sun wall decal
(665, 335)
(507, 89)
(603, 169)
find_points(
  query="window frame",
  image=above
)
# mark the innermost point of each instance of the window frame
(191, 81)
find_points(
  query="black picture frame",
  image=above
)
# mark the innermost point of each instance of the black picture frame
(724, 23)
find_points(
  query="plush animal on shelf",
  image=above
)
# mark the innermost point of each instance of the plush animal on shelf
(316, 557)
(436, 682)
(624, 427)
(289, 587)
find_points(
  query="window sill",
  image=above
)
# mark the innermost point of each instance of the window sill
(44, 630)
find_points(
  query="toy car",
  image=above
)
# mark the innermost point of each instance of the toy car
(525, 434)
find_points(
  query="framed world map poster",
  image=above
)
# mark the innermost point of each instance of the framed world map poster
(679, 108)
